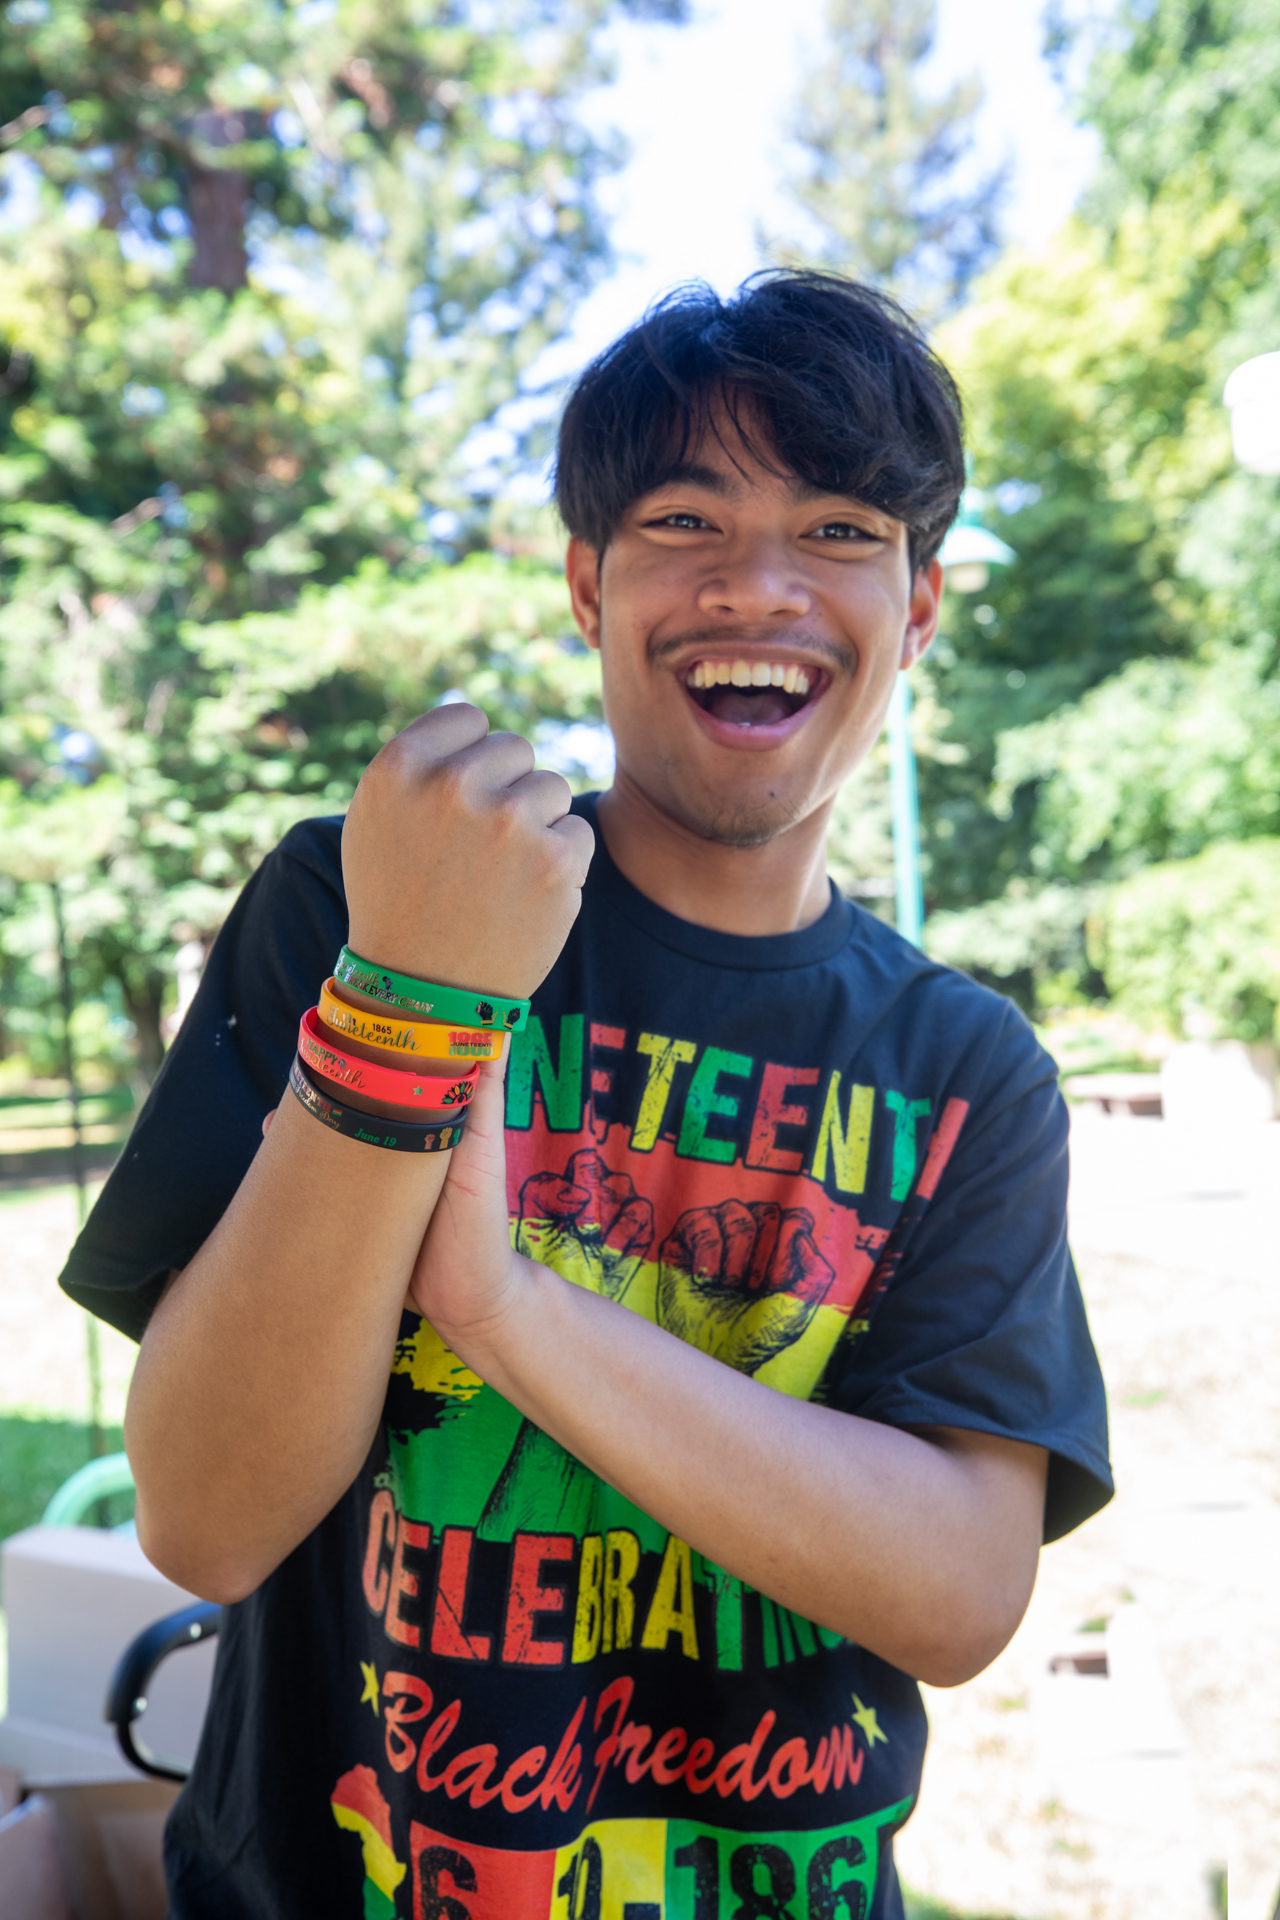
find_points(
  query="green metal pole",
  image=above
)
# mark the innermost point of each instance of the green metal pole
(906, 816)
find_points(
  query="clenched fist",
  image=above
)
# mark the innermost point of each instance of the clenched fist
(591, 1226)
(462, 864)
(741, 1282)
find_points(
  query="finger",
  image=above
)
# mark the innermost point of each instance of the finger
(768, 1218)
(617, 1193)
(694, 1243)
(436, 735)
(267, 1118)
(798, 1267)
(631, 1234)
(579, 842)
(497, 763)
(587, 1169)
(739, 1231)
(479, 1161)
(545, 1196)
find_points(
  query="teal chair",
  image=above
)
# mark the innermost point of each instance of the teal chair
(127, 1694)
(78, 1496)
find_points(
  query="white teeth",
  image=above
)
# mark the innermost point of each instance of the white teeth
(749, 673)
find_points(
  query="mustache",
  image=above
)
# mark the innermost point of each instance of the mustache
(720, 640)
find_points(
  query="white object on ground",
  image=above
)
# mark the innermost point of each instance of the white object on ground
(74, 1598)
(1212, 1082)
(1111, 1748)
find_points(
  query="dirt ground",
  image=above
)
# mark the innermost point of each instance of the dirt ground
(1176, 1238)
(1028, 1810)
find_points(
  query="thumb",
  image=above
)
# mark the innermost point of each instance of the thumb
(479, 1161)
(465, 1260)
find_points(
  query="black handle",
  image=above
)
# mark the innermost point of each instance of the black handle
(127, 1694)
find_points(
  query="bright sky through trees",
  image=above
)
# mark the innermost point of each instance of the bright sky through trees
(704, 108)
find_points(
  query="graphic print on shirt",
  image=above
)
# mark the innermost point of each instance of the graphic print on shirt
(574, 1715)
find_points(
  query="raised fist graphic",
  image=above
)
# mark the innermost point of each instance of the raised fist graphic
(741, 1282)
(591, 1226)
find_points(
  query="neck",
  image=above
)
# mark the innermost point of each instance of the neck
(776, 888)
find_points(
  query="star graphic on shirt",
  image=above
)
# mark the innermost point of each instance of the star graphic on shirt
(865, 1718)
(370, 1693)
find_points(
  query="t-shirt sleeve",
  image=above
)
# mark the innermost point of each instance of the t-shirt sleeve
(227, 1068)
(982, 1324)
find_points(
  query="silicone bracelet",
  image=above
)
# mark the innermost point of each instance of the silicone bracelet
(395, 1035)
(400, 990)
(399, 1086)
(401, 1136)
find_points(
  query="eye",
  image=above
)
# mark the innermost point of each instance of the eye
(841, 530)
(682, 521)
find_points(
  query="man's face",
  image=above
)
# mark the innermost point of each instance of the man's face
(750, 633)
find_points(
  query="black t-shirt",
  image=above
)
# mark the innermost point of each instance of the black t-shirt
(488, 1687)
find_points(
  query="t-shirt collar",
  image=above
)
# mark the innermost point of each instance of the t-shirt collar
(751, 953)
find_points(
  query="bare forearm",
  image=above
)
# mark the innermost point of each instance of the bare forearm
(264, 1369)
(263, 1373)
(883, 1535)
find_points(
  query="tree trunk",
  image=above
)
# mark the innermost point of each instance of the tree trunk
(216, 206)
(144, 1001)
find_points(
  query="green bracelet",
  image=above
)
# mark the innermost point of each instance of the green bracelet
(419, 996)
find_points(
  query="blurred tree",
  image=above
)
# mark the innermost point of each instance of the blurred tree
(882, 156)
(1111, 700)
(268, 277)
(1195, 944)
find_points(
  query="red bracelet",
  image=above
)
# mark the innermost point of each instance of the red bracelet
(392, 1084)
(402, 1136)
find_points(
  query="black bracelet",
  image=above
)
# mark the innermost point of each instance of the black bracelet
(401, 1136)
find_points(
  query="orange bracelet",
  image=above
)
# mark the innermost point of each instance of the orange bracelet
(396, 1035)
(399, 1087)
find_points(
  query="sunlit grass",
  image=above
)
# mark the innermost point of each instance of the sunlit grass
(36, 1455)
(20, 1112)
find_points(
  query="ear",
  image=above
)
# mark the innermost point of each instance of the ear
(582, 571)
(923, 613)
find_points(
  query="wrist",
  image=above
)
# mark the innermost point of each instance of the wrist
(488, 1336)
(475, 1003)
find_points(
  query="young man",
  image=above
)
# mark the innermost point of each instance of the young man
(593, 1579)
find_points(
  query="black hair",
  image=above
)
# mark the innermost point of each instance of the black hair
(836, 378)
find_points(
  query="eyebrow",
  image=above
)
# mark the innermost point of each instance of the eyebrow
(691, 473)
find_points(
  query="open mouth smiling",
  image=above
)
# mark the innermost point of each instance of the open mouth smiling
(752, 693)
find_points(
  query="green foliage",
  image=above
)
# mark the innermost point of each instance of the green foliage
(280, 271)
(1030, 943)
(36, 1456)
(880, 156)
(1156, 763)
(1111, 700)
(1198, 937)
(1187, 89)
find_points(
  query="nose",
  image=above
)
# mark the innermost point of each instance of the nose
(757, 580)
